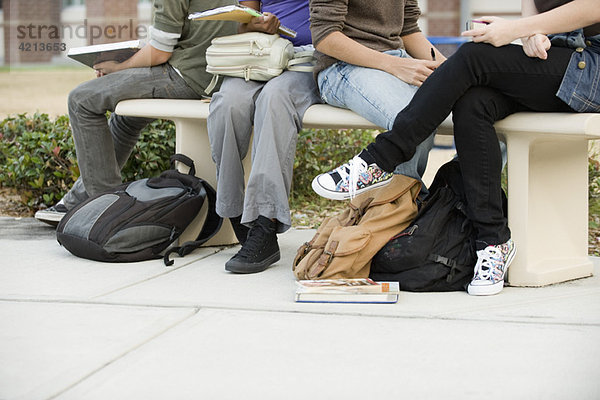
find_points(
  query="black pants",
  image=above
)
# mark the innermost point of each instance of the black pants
(479, 84)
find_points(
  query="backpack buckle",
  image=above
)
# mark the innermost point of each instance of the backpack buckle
(329, 255)
(306, 248)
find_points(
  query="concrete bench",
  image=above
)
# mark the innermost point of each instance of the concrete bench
(547, 178)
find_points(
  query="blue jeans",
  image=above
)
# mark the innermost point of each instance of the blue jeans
(378, 97)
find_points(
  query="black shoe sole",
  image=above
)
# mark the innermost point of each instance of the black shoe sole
(239, 267)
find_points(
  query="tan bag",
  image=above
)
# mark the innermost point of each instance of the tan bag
(344, 245)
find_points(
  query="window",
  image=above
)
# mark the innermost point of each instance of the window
(68, 3)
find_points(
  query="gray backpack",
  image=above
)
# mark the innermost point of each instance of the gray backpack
(139, 220)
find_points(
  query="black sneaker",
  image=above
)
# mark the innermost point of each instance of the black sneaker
(241, 231)
(52, 215)
(259, 251)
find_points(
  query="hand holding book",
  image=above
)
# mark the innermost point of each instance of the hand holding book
(100, 53)
(241, 14)
(267, 23)
(104, 68)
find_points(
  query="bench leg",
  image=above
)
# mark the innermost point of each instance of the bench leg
(192, 140)
(548, 209)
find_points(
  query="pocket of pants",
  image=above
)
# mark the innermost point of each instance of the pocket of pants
(323, 88)
(169, 84)
(328, 94)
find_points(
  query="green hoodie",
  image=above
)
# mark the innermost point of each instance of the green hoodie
(189, 53)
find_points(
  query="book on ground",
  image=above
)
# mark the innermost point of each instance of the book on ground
(346, 291)
(238, 13)
(94, 54)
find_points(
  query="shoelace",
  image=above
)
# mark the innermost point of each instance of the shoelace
(484, 269)
(351, 171)
(253, 242)
(343, 170)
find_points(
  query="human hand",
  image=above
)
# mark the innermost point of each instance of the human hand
(497, 32)
(536, 46)
(106, 67)
(410, 70)
(268, 23)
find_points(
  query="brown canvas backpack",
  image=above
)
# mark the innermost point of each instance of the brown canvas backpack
(344, 244)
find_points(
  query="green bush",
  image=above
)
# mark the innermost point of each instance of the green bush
(152, 152)
(594, 192)
(38, 156)
(39, 159)
(319, 151)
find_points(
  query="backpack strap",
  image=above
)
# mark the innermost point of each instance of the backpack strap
(448, 262)
(212, 224)
(182, 158)
(213, 83)
(457, 271)
(302, 57)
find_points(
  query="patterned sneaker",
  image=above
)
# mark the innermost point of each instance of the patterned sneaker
(491, 267)
(350, 179)
(52, 215)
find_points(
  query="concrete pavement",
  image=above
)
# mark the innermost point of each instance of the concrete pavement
(78, 329)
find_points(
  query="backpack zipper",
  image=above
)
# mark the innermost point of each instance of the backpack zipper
(410, 232)
(240, 53)
(178, 200)
(238, 68)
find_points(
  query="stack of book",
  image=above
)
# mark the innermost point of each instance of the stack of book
(346, 291)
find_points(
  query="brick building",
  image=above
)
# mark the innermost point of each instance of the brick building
(115, 19)
(443, 17)
(36, 31)
(27, 28)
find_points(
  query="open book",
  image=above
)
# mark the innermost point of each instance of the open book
(91, 55)
(241, 14)
(346, 291)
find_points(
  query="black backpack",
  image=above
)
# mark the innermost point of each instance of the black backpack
(436, 253)
(139, 220)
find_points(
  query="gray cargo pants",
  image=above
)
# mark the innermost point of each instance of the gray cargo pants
(275, 108)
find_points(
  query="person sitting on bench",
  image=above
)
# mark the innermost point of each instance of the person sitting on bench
(481, 83)
(273, 111)
(171, 65)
